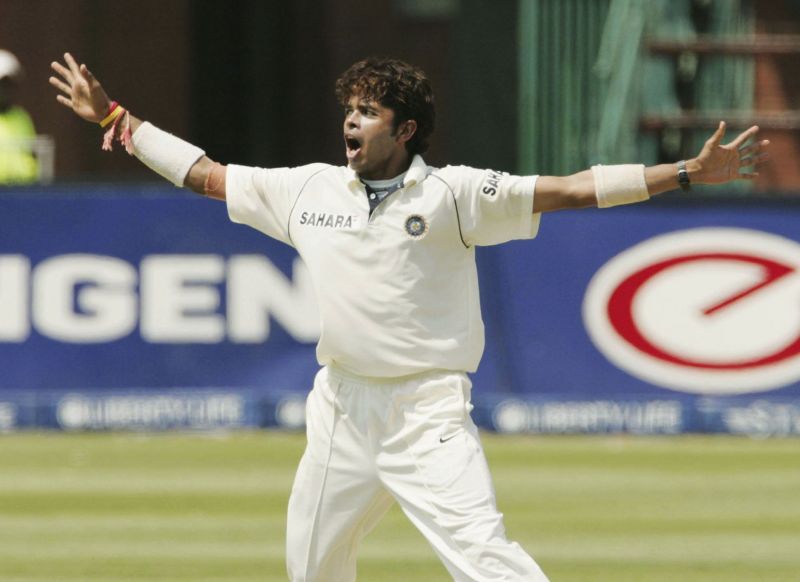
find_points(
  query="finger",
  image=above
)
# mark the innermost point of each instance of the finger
(73, 65)
(745, 162)
(753, 154)
(718, 135)
(761, 143)
(748, 175)
(750, 149)
(62, 70)
(754, 160)
(59, 84)
(86, 73)
(744, 136)
(64, 101)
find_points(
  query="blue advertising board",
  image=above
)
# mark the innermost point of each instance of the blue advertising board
(145, 308)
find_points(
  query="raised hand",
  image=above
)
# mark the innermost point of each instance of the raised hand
(81, 91)
(723, 163)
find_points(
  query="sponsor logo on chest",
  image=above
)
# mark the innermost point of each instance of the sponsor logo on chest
(329, 220)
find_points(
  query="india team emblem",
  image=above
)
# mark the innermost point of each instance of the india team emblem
(416, 226)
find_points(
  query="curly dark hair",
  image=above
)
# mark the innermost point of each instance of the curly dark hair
(401, 87)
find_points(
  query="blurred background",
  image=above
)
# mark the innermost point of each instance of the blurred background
(529, 86)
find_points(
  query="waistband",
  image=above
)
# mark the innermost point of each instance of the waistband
(340, 373)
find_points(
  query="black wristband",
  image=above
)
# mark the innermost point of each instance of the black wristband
(683, 176)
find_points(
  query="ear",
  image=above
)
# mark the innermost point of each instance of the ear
(406, 130)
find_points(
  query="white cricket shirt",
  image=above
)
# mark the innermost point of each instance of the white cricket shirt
(397, 290)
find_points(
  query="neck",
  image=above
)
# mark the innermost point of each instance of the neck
(378, 184)
(394, 166)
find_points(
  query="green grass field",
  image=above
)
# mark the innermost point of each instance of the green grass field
(122, 507)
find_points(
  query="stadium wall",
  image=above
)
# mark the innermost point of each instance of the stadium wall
(142, 307)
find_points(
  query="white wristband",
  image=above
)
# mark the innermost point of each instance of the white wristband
(620, 184)
(165, 154)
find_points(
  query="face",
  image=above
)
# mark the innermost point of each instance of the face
(374, 149)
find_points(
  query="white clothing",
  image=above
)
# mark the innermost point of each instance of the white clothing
(372, 441)
(388, 418)
(397, 290)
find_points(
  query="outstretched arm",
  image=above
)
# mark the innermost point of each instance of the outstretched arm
(715, 164)
(83, 93)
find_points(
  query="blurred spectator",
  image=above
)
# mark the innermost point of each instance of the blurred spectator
(17, 163)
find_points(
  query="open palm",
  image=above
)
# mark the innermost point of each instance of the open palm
(723, 163)
(81, 91)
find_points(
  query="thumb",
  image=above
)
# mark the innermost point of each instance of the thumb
(716, 139)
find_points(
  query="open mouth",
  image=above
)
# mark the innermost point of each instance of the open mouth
(353, 147)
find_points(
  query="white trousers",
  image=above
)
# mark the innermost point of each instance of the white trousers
(372, 442)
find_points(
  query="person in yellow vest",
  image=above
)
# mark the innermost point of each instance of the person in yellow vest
(17, 162)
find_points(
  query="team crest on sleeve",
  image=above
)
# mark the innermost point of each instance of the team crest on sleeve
(416, 226)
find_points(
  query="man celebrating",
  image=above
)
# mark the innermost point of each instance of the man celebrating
(390, 245)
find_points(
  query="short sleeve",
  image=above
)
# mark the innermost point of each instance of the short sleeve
(263, 198)
(494, 207)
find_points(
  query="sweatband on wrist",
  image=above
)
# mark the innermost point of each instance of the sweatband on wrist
(167, 155)
(114, 111)
(120, 129)
(619, 184)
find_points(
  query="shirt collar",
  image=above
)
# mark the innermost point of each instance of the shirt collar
(416, 173)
